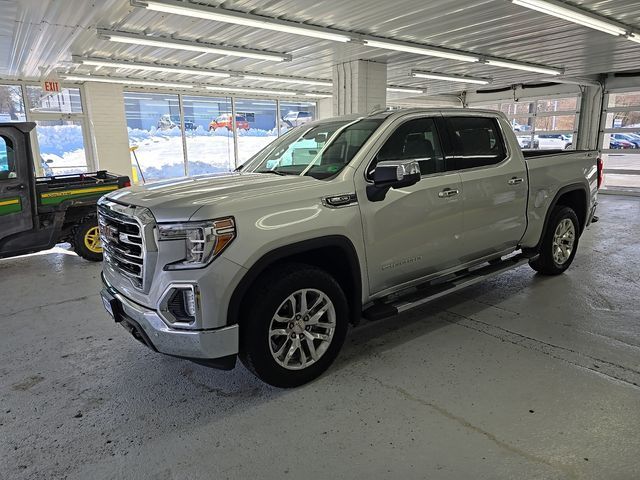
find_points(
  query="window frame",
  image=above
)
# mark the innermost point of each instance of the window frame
(9, 145)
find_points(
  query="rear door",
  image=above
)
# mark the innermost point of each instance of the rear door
(15, 200)
(494, 186)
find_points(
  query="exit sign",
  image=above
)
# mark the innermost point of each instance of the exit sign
(51, 86)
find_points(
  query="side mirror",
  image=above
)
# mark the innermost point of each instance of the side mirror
(396, 173)
(392, 174)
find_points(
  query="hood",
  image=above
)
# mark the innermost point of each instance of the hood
(179, 199)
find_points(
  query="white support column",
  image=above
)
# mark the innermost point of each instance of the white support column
(359, 86)
(324, 108)
(589, 120)
(108, 125)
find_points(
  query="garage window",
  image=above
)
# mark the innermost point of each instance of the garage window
(620, 141)
(542, 123)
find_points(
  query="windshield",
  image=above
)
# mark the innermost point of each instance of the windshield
(319, 151)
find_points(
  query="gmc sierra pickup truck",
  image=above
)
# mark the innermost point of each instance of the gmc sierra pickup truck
(338, 219)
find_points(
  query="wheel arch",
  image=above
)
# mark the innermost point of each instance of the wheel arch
(335, 254)
(575, 196)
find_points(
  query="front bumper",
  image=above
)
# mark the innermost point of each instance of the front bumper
(204, 346)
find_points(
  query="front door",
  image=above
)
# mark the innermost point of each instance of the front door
(15, 200)
(413, 231)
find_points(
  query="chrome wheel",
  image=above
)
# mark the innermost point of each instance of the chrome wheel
(302, 328)
(563, 241)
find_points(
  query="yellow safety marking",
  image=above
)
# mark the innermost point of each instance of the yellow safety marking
(80, 191)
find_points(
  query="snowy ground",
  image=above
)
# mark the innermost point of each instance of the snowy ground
(160, 152)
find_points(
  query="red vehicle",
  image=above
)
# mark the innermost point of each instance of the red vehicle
(224, 121)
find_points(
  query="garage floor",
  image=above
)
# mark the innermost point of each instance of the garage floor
(519, 377)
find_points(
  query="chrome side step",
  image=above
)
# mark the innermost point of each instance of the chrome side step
(439, 288)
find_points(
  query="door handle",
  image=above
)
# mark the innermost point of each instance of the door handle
(448, 192)
(515, 181)
(16, 187)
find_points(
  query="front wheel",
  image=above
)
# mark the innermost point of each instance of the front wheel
(295, 326)
(86, 240)
(560, 242)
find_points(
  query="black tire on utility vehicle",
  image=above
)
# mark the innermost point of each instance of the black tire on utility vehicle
(86, 240)
(294, 326)
(560, 242)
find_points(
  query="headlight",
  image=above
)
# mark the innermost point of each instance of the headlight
(204, 241)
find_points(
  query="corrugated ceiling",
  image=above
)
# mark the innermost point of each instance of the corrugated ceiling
(36, 35)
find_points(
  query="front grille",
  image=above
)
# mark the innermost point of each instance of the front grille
(122, 243)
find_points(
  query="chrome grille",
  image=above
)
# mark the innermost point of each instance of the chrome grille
(122, 243)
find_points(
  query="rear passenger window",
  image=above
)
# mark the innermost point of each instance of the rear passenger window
(477, 142)
(416, 139)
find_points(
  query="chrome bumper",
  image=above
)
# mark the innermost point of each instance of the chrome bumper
(147, 327)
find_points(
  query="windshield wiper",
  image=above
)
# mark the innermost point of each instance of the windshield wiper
(282, 174)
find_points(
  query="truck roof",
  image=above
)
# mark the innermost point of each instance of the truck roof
(24, 127)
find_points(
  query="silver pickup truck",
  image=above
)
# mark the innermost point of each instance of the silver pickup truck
(338, 219)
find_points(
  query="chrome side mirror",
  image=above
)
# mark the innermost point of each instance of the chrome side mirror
(396, 173)
(392, 174)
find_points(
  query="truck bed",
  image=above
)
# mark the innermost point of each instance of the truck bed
(549, 171)
(533, 153)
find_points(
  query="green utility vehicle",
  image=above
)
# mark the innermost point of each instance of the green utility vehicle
(37, 213)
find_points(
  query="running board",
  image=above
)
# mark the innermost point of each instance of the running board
(437, 289)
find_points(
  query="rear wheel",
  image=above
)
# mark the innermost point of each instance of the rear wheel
(295, 326)
(86, 240)
(559, 244)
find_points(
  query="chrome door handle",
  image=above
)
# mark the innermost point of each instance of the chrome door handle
(448, 192)
(515, 181)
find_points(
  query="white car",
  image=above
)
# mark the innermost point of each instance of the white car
(295, 119)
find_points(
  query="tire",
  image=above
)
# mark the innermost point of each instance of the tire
(264, 352)
(86, 240)
(554, 257)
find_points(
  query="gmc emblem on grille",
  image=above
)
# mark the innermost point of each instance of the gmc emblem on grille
(111, 233)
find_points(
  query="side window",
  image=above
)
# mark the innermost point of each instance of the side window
(8, 167)
(415, 139)
(477, 141)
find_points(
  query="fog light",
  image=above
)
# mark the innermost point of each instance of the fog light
(190, 302)
(181, 304)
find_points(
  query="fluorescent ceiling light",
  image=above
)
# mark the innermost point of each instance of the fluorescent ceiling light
(572, 14)
(239, 18)
(146, 66)
(451, 78)
(319, 95)
(420, 50)
(634, 37)
(404, 90)
(124, 81)
(524, 66)
(276, 78)
(251, 90)
(140, 39)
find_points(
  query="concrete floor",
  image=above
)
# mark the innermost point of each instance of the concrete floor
(519, 377)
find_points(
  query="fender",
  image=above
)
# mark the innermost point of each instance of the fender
(281, 253)
(566, 189)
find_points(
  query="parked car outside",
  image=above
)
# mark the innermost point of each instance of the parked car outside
(224, 121)
(167, 122)
(620, 144)
(628, 137)
(550, 141)
(295, 119)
